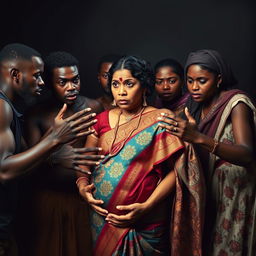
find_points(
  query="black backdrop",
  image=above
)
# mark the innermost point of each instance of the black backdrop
(150, 29)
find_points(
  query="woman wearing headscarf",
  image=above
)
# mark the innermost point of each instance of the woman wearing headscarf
(221, 123)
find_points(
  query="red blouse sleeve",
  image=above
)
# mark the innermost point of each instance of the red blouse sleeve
(102, 124)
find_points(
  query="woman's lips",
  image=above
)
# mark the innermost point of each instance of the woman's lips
(196, 96)
(166, 95)
(123, 102)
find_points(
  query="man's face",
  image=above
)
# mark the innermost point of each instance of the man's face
(66, 84)
(103, 75)
(30, 81)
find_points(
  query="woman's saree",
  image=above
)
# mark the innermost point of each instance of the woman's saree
(143, 154)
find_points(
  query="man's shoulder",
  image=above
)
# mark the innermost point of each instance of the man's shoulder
(6, 113)
(92, 103)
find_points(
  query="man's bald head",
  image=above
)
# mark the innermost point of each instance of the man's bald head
(20, 70)
(16, 51)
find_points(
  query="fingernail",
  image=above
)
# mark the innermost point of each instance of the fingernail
(97, 163)
(95, 120)
(117, 207)
(160, 118)
(93, 114)
(99, 148)
(163, 114)
(102, 156)
(88, 109)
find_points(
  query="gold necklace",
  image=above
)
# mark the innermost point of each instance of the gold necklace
(129, 117)
(115, 150)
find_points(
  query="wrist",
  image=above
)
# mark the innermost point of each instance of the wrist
(147, 206)
(53, 140)
(82, 181)
(199, 138)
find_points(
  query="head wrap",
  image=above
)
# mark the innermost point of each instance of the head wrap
(213, 60)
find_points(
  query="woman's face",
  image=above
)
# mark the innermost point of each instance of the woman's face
(126, 90)
(201, 83)
(168, 84)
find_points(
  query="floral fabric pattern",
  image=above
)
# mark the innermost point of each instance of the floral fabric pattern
(234, 193)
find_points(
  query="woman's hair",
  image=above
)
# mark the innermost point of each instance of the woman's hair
(173, 64)
(139, 68)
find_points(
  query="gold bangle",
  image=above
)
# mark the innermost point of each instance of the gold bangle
(216, 143)
(81, 179)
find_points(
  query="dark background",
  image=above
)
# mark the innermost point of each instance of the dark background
(150, 29)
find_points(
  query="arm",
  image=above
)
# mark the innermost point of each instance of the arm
(137, 210)
(66, 155)
(63, 131)
(83, 182)
(240, 153)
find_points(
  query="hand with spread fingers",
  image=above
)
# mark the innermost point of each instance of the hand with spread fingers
(184, 129)
(86, 191)
(135, 211)
(73, 127)
(71, 158)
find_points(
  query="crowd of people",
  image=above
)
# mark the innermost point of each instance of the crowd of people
(162, 163)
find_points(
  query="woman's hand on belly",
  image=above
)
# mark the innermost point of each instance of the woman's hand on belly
(86, 192)
(135, 211)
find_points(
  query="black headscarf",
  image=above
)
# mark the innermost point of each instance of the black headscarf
(212, 60)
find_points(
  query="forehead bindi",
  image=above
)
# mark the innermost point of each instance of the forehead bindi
(122, 75)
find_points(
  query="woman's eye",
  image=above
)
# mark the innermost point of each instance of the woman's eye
(129, 84)
(158, 82)
(172, 81)
(114, 84)
(202, 81)
(189, 81)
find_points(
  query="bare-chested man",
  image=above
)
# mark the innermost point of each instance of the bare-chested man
(20, 80)
(61, 228)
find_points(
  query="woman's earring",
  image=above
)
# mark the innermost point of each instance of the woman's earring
(144, 104)
(113, 103)
(218, 85)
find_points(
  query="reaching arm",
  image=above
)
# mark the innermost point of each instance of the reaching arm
(241, 153)
(83, 182)
(63, 131)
